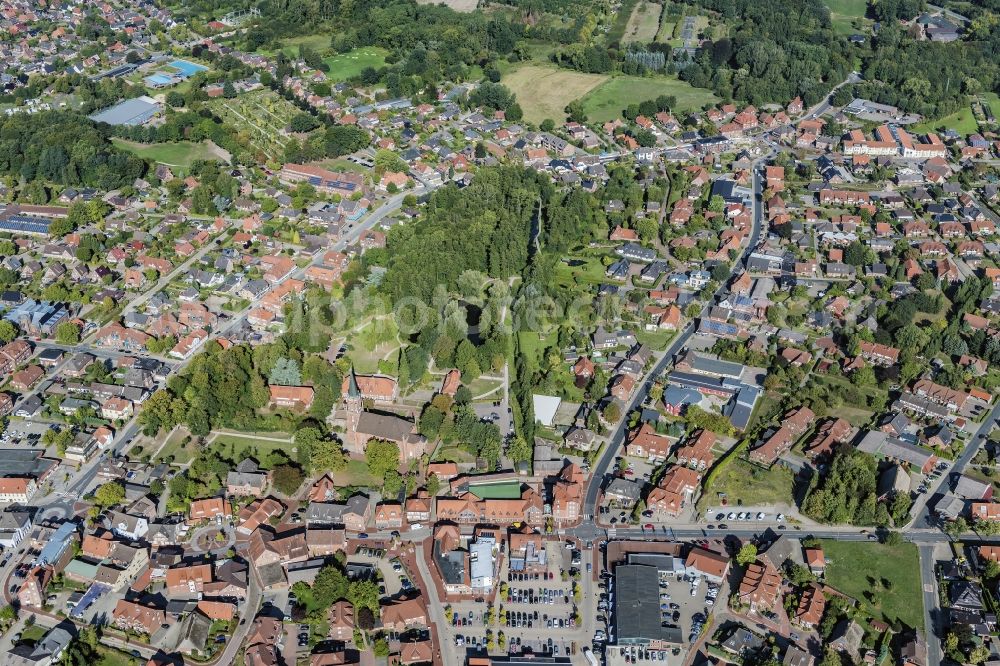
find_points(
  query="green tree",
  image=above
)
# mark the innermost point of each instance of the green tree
(381, 456)
(109, 494)
(432, 484)
(287, 479)
(67, 333)
(7, 331)
(747, 554)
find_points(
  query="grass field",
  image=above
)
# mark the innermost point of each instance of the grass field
(348, 65)
(181, 154)
(844, 12)
(750, 485)
(543, 92)
(853, 565)
(320, 43)
(644, 23)
(532, 345)
(962, 121)
(606, 102)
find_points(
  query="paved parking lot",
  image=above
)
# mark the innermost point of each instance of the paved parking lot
(537, 598)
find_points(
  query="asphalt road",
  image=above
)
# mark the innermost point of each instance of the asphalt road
(924, 518)
(932, 613)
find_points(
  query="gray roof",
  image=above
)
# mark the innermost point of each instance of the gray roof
(637, 606)
(129, 112)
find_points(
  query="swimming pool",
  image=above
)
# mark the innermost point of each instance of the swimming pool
(159, 79)
(187, 68)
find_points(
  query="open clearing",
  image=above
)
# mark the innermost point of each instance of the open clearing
(844, 12)
(348, 65)
(749, 485)
(644, 23)
(544, 92)
(853, 566)
(607, 101)
(181, 154)
(457, 5)
(962, 121)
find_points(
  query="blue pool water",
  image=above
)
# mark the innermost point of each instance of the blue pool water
(158, 79)
(187, 68)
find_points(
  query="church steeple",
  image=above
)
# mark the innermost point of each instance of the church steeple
(352, 387)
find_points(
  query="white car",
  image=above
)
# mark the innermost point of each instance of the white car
(761, 515)
(416, 526)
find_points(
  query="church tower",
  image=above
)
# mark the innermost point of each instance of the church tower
(354, 406)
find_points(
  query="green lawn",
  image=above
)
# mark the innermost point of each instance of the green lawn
(577, 270)
(33, 633)
(235, 447)
(348, 65)
(750, 485)
(532, 345)
(853, 565)
(355, 474)
(844, 12)
(181, 154)
(658, 339)
(180, 454)
(498, 490)
(607, 101)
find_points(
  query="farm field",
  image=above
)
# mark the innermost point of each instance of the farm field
(181, 154)
(348, 65)
(852, 567)
(607, 101)
(844, 12)
(644, 23)
(543, 92)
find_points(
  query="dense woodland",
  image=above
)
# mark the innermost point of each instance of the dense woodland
(62, 148)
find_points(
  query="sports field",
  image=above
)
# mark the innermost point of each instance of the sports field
(348, 65)
(644, 23)
(543, 92)
(607, 101)
(181, 154)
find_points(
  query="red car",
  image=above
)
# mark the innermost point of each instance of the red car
(649, 526)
